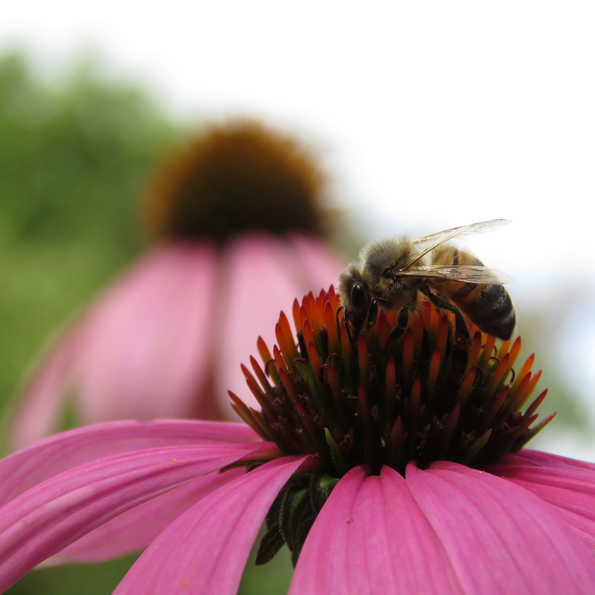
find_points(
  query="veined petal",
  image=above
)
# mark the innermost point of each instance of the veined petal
(500, 537)
(205, 549)
(558, 481)
(44, 520)
(135, 529)
(371, 538)
(46, 458)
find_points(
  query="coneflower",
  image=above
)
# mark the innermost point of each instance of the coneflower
(394, 463)
(239, 212)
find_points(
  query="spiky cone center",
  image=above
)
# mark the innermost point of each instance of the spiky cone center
(233, 178)
(398, 394)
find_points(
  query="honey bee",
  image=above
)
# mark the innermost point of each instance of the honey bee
(391, 273)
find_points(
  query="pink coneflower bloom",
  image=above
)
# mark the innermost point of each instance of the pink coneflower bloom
(390, 464)
(240, 225)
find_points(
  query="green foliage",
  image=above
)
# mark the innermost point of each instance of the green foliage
(91, 579)
(74, 157)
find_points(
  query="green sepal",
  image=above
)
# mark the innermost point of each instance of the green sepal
(296, 505)
(300, 533)
(269, 545)
(321, 487)
(292, 515)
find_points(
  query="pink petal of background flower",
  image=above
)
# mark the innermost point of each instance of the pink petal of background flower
(158, 344)
(263, 275)
(146, 350)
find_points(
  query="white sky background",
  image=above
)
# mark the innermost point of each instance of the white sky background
(430, 114)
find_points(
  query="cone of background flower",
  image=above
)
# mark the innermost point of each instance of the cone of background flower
(239, 221)
(390, 463)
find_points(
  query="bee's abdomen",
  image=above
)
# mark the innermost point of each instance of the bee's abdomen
(488, 306)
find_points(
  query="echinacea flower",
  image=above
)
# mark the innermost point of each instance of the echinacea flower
(390, 463)
(240, 221)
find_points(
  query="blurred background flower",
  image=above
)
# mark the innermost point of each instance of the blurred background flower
(239, 219)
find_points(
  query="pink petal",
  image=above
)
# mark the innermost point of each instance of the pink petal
(319, 264)
(57, 512)
(264, 275)
(568, 487)
(135, 529)
(39, 403)
(260, 281)
(46, 458)
(141, 351)
(148, 339)
(544, 459)
(205, 550)
(500, 537)
(371, 538)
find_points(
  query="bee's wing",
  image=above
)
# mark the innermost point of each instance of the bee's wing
(465, 274)
(463, 230)
(428, 243)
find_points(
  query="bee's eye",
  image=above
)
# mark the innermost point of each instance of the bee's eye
(359, 296)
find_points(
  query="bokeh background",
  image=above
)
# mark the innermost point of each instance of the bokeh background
(427, 115)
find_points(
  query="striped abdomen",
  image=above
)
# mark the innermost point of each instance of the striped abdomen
(488, 306)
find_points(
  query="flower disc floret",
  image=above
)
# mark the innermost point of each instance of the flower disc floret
(407, 391)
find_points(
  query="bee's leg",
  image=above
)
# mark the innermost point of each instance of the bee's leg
(460, 353)
(353, 324)
(372, 316)
(403, 319)
(346, 321)
(405, 311)
(461, 326)
(339, 310)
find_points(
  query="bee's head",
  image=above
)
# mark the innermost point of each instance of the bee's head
(355, 296)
